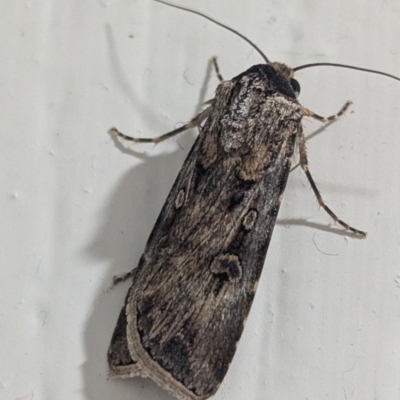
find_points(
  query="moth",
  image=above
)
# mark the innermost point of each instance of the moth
(193, 288)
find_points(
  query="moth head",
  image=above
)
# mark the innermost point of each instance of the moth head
(288, 74)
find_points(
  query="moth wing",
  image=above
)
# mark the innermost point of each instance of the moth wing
(197, 278)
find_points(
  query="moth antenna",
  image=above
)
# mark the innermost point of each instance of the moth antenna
(219, 24)
(324, 64)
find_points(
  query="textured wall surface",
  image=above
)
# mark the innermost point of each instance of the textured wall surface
(76, 205)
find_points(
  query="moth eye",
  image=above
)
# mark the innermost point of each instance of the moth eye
(295, 86)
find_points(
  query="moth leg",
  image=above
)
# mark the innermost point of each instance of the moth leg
(216, 67)
(117, 279)
(321, 202)
(123, 277)
(309, 113)
(196, 121)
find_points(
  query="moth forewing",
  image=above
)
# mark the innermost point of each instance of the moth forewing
(196, 281)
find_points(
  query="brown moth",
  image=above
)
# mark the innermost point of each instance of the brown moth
(193, 288)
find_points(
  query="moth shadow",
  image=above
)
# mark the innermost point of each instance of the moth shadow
(125, 224)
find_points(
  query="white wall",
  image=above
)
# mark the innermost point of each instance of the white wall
(77, 205)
